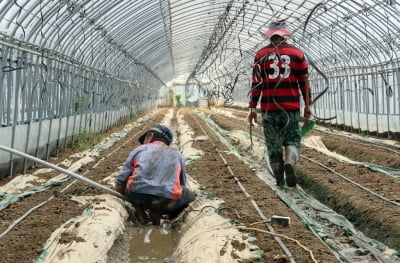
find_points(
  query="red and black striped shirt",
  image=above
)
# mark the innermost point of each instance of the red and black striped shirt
(279, 74)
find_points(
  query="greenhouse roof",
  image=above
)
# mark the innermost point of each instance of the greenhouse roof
(198, 38)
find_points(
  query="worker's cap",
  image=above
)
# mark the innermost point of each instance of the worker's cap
(162, 131)
(278, 27)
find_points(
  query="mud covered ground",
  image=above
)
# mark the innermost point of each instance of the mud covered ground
(372, 215)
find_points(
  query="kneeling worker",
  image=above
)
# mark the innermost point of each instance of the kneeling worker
(154, 177)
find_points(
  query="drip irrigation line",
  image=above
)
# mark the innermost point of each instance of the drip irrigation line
(32, 210)
(5, 232)
(260, 213)
(353, 182)
(254, 203)
(376, 144)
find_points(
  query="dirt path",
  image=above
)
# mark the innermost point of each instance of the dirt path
(370, 214)
(375, 216)
(213, 173)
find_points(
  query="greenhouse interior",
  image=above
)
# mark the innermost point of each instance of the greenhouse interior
(84, 81)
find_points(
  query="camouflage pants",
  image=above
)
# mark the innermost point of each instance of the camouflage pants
(280, 130)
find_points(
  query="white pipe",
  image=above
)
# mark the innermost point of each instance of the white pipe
(59, 169)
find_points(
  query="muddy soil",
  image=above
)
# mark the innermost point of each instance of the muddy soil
(369, 213)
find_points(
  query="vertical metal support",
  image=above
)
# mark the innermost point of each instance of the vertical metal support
(331, 99)
(107, 107)
(29, 100)
(387, 86)
(8, 55)
(376, 105)
(2, 88)
(87, 101)
(341, 98)
(345, 101)
(40, 94)
(366, 95)
(335, 99)
(75, 105)
(50, 90)
(357, 101)
(351, 102)
(96, 104)
(82, 103)
(14, 78)
(382, 102)
(7, 97)
(59, 87)
(325, 101)
(91, 97)
(397, 84)
(67, 104)
(103, 113)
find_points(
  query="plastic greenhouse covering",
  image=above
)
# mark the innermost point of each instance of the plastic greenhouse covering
(73, 66)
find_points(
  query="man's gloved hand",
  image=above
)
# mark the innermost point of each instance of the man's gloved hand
(252, 116)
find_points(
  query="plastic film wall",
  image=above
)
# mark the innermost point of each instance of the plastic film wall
(47, 99)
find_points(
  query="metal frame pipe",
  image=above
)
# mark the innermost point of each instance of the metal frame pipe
(64, 171)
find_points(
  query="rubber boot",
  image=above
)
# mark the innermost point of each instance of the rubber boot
(276, 163)
(292, 156)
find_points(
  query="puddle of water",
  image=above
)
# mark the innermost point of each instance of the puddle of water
(152, 244)
(149, 244)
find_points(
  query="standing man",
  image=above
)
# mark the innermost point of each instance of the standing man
(280, 73)
(153, 177)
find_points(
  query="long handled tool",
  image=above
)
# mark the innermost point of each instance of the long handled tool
(61, 170)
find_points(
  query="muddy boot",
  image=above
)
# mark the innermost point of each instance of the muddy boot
(276, 164)
(292, 156)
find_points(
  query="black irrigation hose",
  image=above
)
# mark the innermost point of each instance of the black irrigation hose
(319, 5)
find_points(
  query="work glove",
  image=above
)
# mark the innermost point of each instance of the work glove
(252, 116)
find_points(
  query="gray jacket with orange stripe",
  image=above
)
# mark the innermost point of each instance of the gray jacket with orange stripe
(154, 168)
